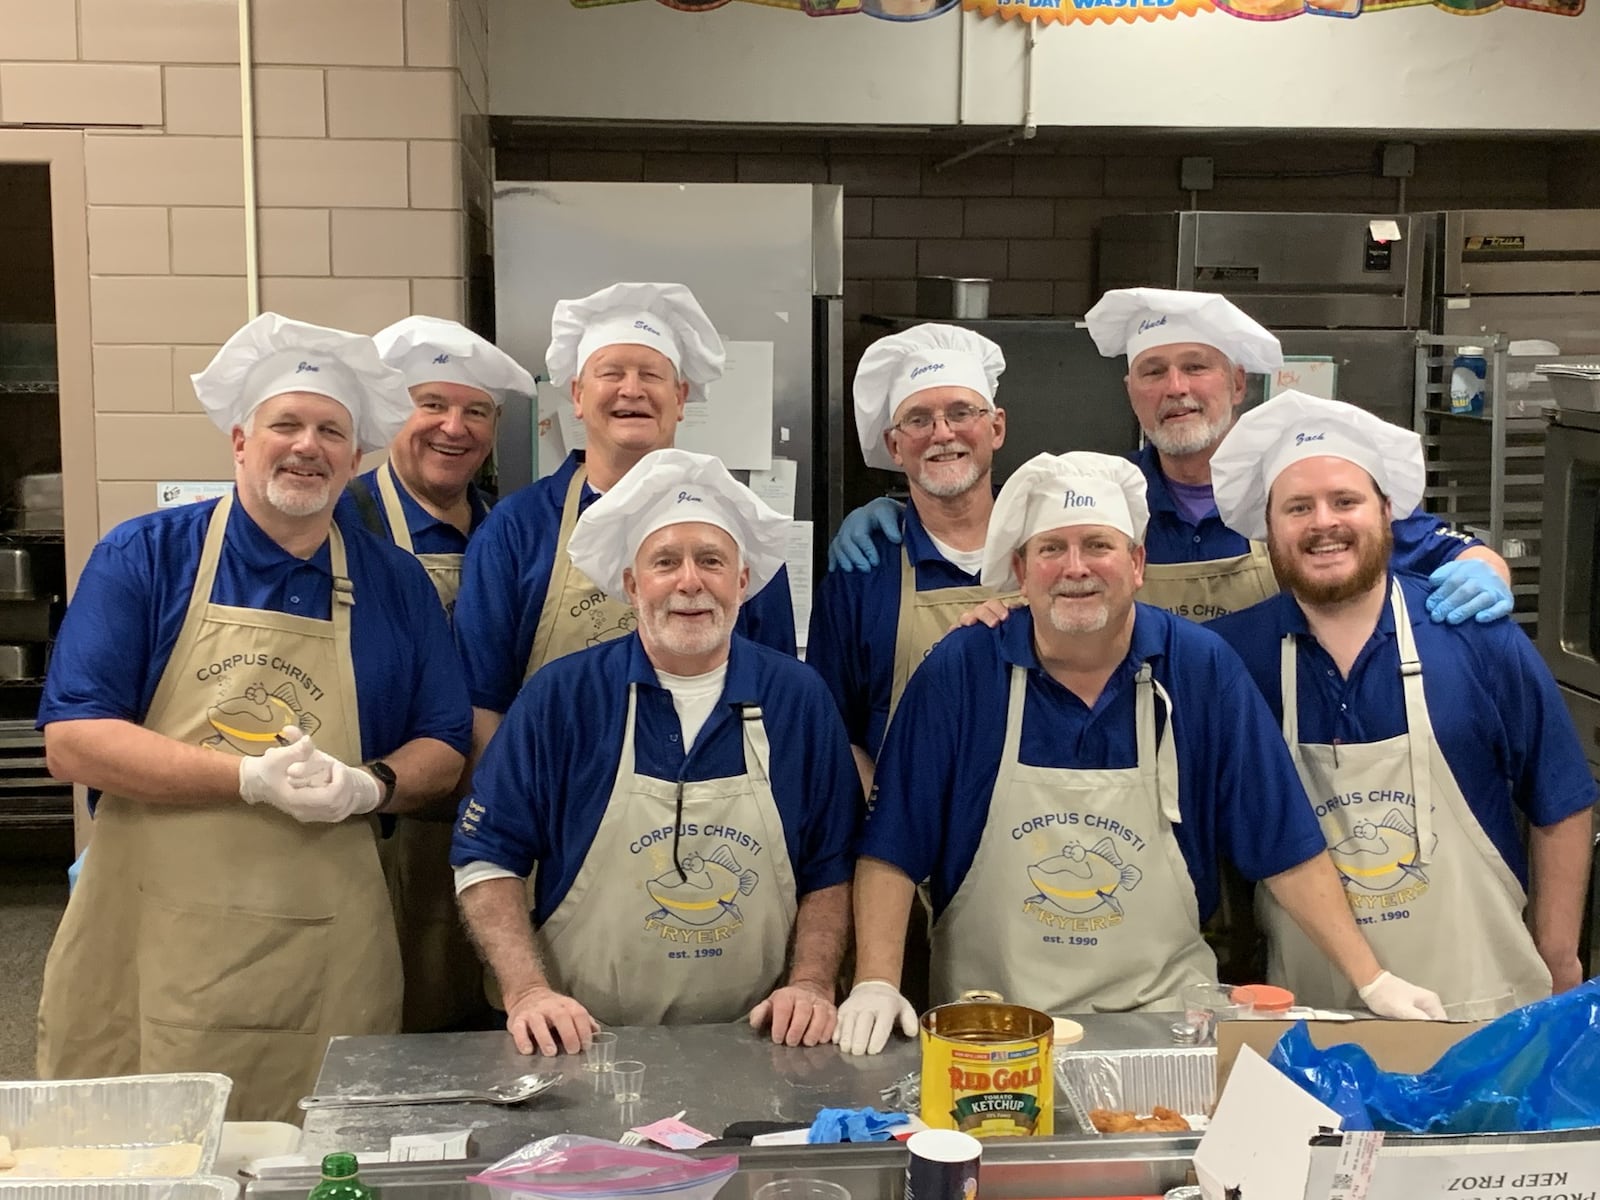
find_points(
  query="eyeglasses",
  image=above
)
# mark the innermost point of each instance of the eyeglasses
(919, 422)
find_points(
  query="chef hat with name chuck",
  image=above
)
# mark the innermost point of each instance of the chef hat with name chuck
(672, 487)
(434, 350)
(1132, 320)
(1293, 426)
(897, 367)
(663, 316)
(272, 355)
(1053, 491)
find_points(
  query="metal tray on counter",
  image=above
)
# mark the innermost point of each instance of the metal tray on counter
(1183, 1079)
(195, 1187)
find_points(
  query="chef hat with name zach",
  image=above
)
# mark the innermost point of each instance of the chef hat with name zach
(1054, 491)
(433, 350)
(663, 316)
(897, 367)
(273, 355)
(1132, 320)
(672, 487)
(1293, 426)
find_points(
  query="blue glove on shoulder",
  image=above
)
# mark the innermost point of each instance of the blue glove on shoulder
(1468, 587)
(852, 547)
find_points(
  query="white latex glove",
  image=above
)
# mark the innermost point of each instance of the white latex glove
(315, 770)
(349, 792)
(1390, 996)
(264, 777)
(869, 1014)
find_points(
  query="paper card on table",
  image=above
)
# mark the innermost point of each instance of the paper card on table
(1259, 1139)
(673, 1134)
(443, 1146)
(786, 1137)
(777, 485)
(797, 553)
(734, 421)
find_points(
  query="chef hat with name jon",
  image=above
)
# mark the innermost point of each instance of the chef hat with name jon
(1053, 491)
(897, 367)
(663, 316)
(1132, 320)
(433, 350)
(1293, 426)
(671, 487)
(273, 355)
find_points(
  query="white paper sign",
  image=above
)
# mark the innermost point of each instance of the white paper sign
(776, 486)
(797, 553)
(734, 421)
(1414, 1170)
(554, 429)
(1314, 376)
(1259, 1138)
(176, 495)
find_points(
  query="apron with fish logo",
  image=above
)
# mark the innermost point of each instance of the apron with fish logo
(1429, 890)
(1078, 899)
(229, 937)
(639, 941)
(1211, 588)
(576, 613)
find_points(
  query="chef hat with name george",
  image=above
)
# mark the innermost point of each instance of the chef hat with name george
(1293, 426)
(672, 487)
(1132, 320)
(272, 355)
(663, 316)
(1053, 491)
(897, 367)
(433, 350)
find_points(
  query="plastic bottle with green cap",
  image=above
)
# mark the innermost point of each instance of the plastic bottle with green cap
(340, 1180)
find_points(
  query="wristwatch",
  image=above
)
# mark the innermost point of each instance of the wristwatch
(384, 774)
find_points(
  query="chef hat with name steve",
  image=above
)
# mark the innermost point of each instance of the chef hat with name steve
(897, 367)
(273, 355)
(1053, 491)
(1293, 426)
(1132, 320)
(434, 350)
(671, 487)
(663, 316)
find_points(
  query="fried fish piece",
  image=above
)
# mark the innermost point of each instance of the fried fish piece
(1160, 1120)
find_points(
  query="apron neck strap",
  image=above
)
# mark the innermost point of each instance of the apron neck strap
(1419, 729)
(389, 492)
(1158, 757)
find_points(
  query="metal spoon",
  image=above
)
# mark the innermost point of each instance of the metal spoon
(522, 1088)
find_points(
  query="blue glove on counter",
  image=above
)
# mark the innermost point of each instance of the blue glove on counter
(1468, 587)
(853, 1125)
(852, 548)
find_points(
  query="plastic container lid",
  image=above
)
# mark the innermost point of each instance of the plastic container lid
(1470, 352)
(1067, 1032)
(1264, 998)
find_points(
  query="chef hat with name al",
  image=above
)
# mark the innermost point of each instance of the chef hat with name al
(1293, 426)
(671, 487)
(434, 350)
(897, 367)
(1132, 320)
(663, 316)
(273, 355)
(1053, 491)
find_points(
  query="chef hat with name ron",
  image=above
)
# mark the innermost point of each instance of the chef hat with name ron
(897, 367)
(1293, 426)
(1053, 491)
(434, 350)
(1132, 320)
(671, 487)
(272, 355)
(663, 316)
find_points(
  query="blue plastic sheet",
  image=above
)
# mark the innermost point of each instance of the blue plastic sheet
(1537, 1068)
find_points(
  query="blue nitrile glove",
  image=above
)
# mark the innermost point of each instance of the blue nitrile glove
(853, 1125)
(1468, 587)
(74, 870)
(852, 548)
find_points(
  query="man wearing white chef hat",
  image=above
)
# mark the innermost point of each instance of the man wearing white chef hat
(1417, 743)
(211, 682)
(1070, 808)
(684, 857)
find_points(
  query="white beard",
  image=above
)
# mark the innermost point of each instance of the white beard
(685, 642)
(297, 502)
(1192, 439)
(937, 480)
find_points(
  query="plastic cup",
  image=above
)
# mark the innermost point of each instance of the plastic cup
(1206, 1004)
(627, 1080)
(800, 1187)
(599, 1051)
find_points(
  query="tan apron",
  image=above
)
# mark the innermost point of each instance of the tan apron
(1434, 898)
(1078, 899)
(576, 613)
(230, 937)
(443, 976)
(639, 944)
(1212, 588)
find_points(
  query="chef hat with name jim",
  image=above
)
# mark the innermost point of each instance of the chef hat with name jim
(1132, 320)
(897, 367)
(672, 487)
(1053, 491)
(1293, 426)
(273, 355)
(434, 350)
(663, 316)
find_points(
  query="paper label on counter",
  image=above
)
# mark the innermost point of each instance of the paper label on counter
(1537, 1170)
(673, 1134)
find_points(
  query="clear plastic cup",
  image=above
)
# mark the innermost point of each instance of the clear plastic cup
(627, 1080)
(599, 1051)
(1206, 1004)
(800, 1187)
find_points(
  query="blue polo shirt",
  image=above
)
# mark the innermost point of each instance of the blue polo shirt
(124, 619)
(546, 778)
(1238, 793)
(1496, 711)
(507, 573)
(429, 534)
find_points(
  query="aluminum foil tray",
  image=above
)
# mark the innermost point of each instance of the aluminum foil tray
(196, 1187)
(132, 1111)
(1183, 1079)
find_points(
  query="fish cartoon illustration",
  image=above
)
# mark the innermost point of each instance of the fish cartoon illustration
(250, 723)
(1079, 881)
(1377, 856)
(706, 891)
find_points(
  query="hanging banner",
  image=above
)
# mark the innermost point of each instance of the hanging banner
(884, 10)
(1087, 12)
